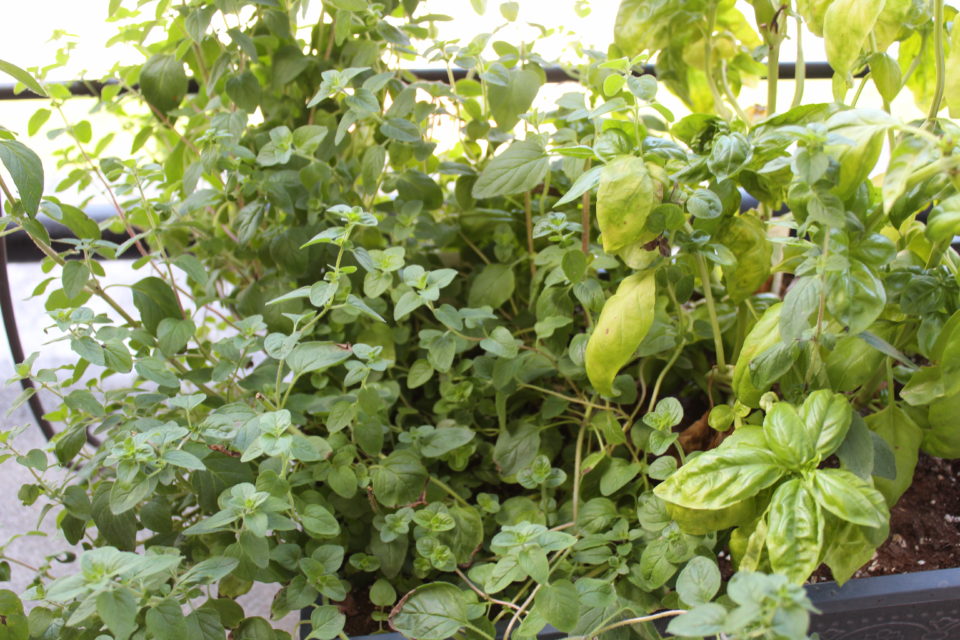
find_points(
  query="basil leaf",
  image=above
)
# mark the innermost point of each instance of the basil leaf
(788, 435)
(624, 322)
(624, 201)
(721, 477)
(848, 497)
(795, 533)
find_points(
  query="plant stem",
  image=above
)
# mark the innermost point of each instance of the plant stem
(801, 68)
(821, 308)
(446, 487)
(577, 460)
(708, 63)
(528, 221)
(941, 66)
(585, 218)
(663, 374)
(712, 311)
(773, 74)
(632, 621)
(729, 93)
(481, 593)
(545, 192)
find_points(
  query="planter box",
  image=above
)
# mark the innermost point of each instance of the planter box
(910, 606)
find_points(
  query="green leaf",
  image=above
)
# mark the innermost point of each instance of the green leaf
(326, 622)
(210, 570)
(699, 581)
(943, 221)
(799, 306)
(315, 356)
(26, 170)
(511, 100)
(348, 5)
(75, 276)
(788, 435)
(559, 603)
(244, 89)
(516, 448)
(904, 437)
(165, 620)
(155, 300)
(173, 334)
(319, 522)
(510, 10)
(857, 452)
(846, 27)
(398, 479)
(183, 459)
(624, 201)
(706, 620)
(492, 287)
(118, 610)
(623, 324)
(795, 531)
(849, 498)
(730, 153)
(617, 475)
(746, 237)
(443, 440)
(828, 417)
(163, 82)
(764, 335)
(431, 612)
(420, 373)
(400, 129)
(587, 181)
(849, 547)
(520, 168)
(22, 77)
(721, 477)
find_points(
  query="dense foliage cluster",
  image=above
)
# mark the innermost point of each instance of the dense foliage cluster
(467, 362)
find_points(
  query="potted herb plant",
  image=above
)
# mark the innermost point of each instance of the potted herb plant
(537, 368)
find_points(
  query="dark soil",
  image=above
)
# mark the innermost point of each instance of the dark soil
(357, 609)
(924, 525)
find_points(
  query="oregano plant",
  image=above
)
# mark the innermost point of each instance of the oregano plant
(451, 359)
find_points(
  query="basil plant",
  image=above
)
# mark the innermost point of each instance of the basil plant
(448, 358)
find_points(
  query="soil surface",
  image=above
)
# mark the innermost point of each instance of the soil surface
(924, 525)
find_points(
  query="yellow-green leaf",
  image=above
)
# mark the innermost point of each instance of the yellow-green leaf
(622, 326)
(627, 195)
(846, 26)
(765, 333)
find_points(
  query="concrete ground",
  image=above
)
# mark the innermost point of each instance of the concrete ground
(16, 519)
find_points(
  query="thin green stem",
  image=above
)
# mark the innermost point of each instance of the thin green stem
(940, 62)
(712, 311)
(722, 110)
(632, 621)
(577, 460)
(821, 308)
(801, 68)
(663, 374)
(528, 223)
(729, 93)
(773, 74)
(453, 494)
